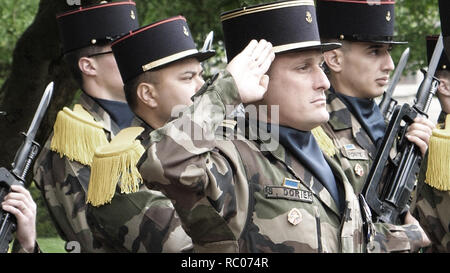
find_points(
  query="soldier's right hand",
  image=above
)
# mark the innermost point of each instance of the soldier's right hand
(409, 219)
(248, 69)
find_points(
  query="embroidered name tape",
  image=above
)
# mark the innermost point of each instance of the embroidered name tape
(280, 192)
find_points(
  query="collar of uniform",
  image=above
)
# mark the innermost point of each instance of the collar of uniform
(312, 182)
(272, 147)
(340, 116)
(144, 137)
(99, 114)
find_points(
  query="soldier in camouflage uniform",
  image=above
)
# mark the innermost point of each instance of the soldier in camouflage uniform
(144, 220)
(432, 202)
(359, 72)
(62, 169)
(238, 190)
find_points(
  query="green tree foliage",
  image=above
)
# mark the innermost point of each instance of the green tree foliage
(414, 20)
(16, 16)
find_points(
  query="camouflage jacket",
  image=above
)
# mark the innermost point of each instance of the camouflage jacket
(431, 209)
(143, 221)
(356, 151)
(229, 192)
(64, 183)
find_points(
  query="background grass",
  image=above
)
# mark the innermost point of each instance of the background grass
(51, 245)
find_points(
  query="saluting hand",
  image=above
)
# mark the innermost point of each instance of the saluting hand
(20, 203)
(248, 69)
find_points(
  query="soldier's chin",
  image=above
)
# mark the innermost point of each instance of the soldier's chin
(321, 117)
(325, 116)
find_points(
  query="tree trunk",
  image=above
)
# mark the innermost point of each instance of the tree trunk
(37, 60)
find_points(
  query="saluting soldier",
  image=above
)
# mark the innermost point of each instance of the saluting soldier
(237, 190)
(358, 73)
(63, 167)
(161, 69)
(432, 200)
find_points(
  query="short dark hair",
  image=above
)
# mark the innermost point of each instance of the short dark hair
(130, 87)
(72, 58)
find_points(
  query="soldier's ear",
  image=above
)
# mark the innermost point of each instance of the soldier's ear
(333, 59)
(147, 94)
(87, 66)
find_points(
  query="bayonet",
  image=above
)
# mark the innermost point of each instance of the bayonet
(387, 103)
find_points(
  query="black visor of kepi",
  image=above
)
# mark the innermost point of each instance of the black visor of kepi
(154, 46)
(357, 20)
(288, 25)
(96, 24)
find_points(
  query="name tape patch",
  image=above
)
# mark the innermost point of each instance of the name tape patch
(280, 192)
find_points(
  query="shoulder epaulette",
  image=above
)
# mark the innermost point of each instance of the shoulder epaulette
(324, 141)
(76, 135)
(116, 162)
(438, 169)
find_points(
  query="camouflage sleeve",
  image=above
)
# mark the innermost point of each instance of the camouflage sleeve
(183, 161)
(63, 185)
(144, 221)
(430, 207)
(396, 238)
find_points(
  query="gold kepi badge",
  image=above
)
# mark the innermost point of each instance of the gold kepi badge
(185, 31)
(359, 171)
(294, 216)
(132, 15)
(309, 17)
(388, 16)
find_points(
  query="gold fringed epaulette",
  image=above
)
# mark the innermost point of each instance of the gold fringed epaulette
(324, 141)
(438, 169)
(76, 135)
(115, 162)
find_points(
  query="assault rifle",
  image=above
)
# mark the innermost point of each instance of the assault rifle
(388, 199)
(387, 103)
(22, 163)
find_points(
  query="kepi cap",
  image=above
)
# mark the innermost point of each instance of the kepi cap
(288, 25)
(357, 20)
(154, 46)
(96, 24)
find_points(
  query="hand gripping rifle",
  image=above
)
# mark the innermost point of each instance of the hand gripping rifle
(22, 163)
(388, 199)
(387, 103)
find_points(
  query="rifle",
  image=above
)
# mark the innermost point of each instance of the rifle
(388, 199)
(22, 162)
(387, 103)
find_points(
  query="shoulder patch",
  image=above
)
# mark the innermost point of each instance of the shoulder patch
(76, 135)
(116, 162)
